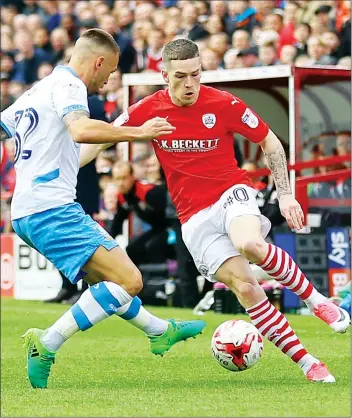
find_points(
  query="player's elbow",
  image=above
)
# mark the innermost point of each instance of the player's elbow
(79, 135)
(80, 131)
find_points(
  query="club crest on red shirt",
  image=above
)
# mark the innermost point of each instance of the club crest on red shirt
(209, 120)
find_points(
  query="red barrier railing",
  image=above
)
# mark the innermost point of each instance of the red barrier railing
(303, 165)
(302, 187)
(303, 181)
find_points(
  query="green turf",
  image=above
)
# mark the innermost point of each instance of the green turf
(109, 371)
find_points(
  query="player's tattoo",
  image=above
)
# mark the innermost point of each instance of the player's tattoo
(73, 116)
(278, 167)
(3, 134)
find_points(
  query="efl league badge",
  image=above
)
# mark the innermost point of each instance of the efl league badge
(250, 119)
(209, 120)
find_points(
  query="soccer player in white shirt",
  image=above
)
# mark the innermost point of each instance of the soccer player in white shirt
(54, 136)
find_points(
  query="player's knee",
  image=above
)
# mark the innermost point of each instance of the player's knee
(253, 250)
(134, 283)
(246, 290)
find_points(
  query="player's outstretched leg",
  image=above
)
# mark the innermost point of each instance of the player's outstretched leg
(274, 326)
(246, 236)
(271, 323)
(279, 265)
(162, 334)
(98, 302)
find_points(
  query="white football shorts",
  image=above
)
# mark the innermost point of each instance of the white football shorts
(207, 233)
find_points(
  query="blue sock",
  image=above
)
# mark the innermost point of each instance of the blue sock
(138, 316)
(96, 303)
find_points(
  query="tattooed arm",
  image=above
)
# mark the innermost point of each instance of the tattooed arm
(276, 158)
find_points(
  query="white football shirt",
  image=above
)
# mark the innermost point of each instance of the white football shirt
(46, 157)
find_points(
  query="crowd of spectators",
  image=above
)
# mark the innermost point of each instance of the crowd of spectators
(38, 35)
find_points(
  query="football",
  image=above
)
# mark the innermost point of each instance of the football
(237, 345)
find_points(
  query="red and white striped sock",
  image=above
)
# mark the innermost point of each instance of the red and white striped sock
(274, 326)
(279, 265)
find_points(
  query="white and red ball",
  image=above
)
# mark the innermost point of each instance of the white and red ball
(237, 345)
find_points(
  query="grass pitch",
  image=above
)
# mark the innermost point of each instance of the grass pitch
(109, 371)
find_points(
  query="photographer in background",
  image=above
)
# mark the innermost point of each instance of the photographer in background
(148, 202)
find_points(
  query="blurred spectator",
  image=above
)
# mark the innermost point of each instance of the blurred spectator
(33, 23)
(288, 54)
(156, 40)
(332, 42)
(210, 60)
(323, 16)
(42, 40)
(148, 202)
(31, 7)
(267, 55)
(124, 18)
(241, 40)
(218, 8)
(273, 21)
(104, 162)
(240, 16)
(140, 166)
(218, 43)
(54, 26)
(28, 59)
(230, 59)
(154, 172)
(302, 34)
(343, 143)
(214, 25)
(59, 41)
(7, 66)
(128, 53)
(109, 92)
(190, 28)
(317, 52)
(247, 58)
(6, 98)
(68, 23)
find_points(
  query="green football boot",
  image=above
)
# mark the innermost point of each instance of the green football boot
(177, 331)
(39, 359)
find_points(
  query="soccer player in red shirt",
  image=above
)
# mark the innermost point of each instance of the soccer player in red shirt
(221, 222)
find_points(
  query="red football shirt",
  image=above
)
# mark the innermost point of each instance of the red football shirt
(198, 157)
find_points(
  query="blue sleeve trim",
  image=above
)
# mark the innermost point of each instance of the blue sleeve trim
(45, 178)
(5, 128)
(73, 108)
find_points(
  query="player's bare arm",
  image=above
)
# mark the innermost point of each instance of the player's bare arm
(90, 131)
(275, 155)
(3, 134)
(150, 130)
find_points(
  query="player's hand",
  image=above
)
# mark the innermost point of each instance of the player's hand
(292, 211)
(156, 127)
